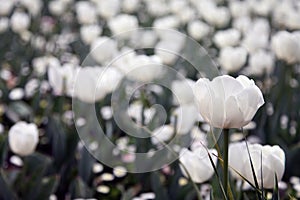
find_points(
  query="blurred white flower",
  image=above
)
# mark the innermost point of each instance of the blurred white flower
(89, 33)
(57, 7)
(4, 23)
(186, 116)
(6, 7)
(167, 22)
(103, 49)
(162, 134)
(198, 29)
(262, 8)
(157, 8)
(130, 6)
(108, 9)
(229, 37)
(86, 12)
(16, 94)
(227, 102)
(242, 24)
(198, 164)
(19, 21)
(143, 38)
(110, 78)
(258, 36)
(23, 138)
(121, 24)
(286, 46)
(135, 112)
(216, 16)
(87, 87)
(183, 91)
(168, 50)
(40, 65)
(260, 62)
(33, 6)
(239, 8)
(232, 59)
(186, 14)
(267, 160)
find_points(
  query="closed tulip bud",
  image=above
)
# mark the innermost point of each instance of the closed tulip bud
(86, 12)
(198, 164)
(198, 29)
(19, 22)
(267, 161)
(227, 102)
(123, 25)
(286, 46)
(89, 33)
(260, 62)
(6, 7)
(232, 59)
(103, 49)
(23, 138)
(108, 9)
(230, 37)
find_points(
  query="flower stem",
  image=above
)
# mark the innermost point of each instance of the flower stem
(225, 157)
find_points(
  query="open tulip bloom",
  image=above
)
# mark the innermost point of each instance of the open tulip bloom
(227, 102)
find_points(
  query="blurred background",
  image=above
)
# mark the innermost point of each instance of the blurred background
(43, 44)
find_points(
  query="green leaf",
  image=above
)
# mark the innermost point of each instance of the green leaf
(158, 188)
(275, 195)
(48, 187)
(6, 193)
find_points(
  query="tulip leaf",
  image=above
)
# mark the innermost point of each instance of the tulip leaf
(85, 165)
(79, 189)
(159, 190)
(48, 187)
(6, 193)
(275, 195)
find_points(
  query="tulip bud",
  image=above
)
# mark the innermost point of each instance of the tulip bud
(198, 164)
(19, 22)
(23, 138)
(227, 102)
(267, 161)
(232, 59)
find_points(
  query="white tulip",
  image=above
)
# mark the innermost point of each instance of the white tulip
(123, 25)
(145, 68)
(135, 112)
(186, 116)
(57, 7)
(108, 9)
(89, 33)
(162, 134)
(87, 87)
(242, 24)
(229, 37)
(168, 50)
(4, 23)
(33, 6)
(263, 8)
(6, 7)
(267, 160)
(23, 138)
(157, 8)
(232, 59)
(239, 8)
(130, 6)
(260, 62)
(103, 49)
(286, 46)
(183, 91)
(198, 29)
(198, 164)
(216, 16)
(19, 22)
(110, 78)
(167, 22)
(227, 102)
(86, 12)
(143, 38)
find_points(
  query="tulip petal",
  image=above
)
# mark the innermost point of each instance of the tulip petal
(203, 98)
(250, 99)
(234, 115)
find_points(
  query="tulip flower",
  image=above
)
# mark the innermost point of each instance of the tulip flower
(197, 163)
(227, 102)
(267, 161)
(23, 138)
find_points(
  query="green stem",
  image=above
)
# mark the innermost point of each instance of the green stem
(225, 157)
